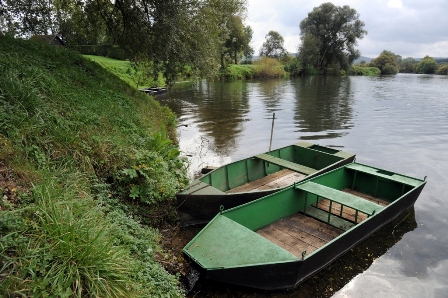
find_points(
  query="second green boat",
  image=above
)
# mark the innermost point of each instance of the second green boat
(254, 177)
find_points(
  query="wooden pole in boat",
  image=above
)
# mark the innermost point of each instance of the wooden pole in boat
(272, 131)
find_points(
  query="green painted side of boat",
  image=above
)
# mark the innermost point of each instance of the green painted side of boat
(200, 201)
(229, 249)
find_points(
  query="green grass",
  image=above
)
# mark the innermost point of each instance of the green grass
(78, 142)
(137, 76)
(364, 71)
(263, 68)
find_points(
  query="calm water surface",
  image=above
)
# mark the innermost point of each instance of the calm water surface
(399, 123)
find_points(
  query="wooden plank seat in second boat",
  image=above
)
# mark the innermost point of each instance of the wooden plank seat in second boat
(286, 164)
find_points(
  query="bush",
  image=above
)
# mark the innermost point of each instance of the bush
(268, 68)
(364, 71)
(238, 72)
(427, 65)
(294, 67)
(442, 70)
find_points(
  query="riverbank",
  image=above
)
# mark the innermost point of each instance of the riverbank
(271, 68)
(87, 166)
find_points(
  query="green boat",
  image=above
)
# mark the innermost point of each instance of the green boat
(249, 179)
(279, 240)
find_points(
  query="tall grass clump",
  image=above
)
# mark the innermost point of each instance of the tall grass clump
(238, 72)
(65, 249)
(269, 68)
(364, 71)
(87, 154)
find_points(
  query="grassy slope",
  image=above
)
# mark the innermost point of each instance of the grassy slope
(70, 135)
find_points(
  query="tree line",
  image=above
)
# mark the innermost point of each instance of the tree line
(329, 35)
(203, 35)
(390, 64)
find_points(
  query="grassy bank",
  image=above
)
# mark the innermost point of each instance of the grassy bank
(271, 68)
(260, 69)
(137, 76)
(84, 157)
(364, 71)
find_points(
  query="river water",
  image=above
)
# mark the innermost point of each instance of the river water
(399, 123)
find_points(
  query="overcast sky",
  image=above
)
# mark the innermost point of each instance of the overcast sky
(410, 28)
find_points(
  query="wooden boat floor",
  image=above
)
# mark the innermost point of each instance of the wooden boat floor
(298, 233)
(347, 212)
(276, 180)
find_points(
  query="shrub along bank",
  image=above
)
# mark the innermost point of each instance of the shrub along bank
(273, 68)
(82, 154)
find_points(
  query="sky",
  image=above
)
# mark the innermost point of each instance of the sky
(410, 28)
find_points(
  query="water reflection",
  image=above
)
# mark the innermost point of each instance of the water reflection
(272, 93)
(230, 113)
(332, 98)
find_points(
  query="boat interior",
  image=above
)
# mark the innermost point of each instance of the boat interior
(275, 169)
(306, 216)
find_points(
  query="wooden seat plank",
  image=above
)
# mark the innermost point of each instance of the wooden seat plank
(340, 197)
(286, 164)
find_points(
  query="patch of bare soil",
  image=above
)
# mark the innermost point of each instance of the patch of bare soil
(11, 187)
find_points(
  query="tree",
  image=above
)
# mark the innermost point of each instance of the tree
(335, 30)
(442, 70)
(308, 53)
(427, 65)
(28, 17)
(386, 62)
(239, 39)
(221, 13)
(273, 46)
(248, 51)
(168, 34)
(407, 65)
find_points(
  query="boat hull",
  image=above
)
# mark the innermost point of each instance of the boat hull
(287, 273)
(198, 207)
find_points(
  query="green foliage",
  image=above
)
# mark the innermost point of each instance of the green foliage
(386, 62)
(238, 40)
(364, 71)
(268, 68)
(238, 72)
(442, 70)
(155, 175)
(427, 65)
(335, 30)
(308, 53)
(168, 34)
(262, 68)
(294, 67)
(61, 246)
(105, 50)
(273, 46)
(407, 65)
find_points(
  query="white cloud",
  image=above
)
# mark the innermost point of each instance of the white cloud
(383, 279)
(395, 3)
